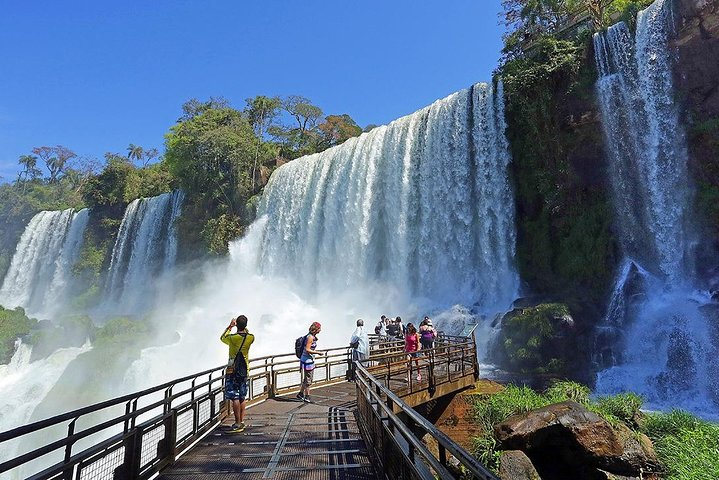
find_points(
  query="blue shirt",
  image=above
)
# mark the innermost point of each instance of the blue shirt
(307, 361)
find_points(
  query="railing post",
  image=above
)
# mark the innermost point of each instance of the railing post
(168, 394)
(67, 474)
(127, 420)
(133, 448)
(430, 375)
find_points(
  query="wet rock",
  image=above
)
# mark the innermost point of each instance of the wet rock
(565, 440)
(515, 465)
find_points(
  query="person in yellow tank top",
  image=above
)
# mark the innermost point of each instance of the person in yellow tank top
(236, 378)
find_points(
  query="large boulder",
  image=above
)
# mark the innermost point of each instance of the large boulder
(515, 465)
(565, 440)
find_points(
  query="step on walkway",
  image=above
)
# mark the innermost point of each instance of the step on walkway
(285, 439)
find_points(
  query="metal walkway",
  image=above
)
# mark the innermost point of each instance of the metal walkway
(284, 436)
(363, 429)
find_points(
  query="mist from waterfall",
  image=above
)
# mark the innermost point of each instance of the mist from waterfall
(40, 274)
(144, 251)
(657, 338)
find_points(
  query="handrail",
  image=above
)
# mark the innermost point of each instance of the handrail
(174, 427)
(370, 386)
(25, 429)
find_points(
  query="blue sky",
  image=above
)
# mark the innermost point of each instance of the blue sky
(95, 76)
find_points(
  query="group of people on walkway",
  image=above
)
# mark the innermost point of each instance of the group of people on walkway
(240, 341)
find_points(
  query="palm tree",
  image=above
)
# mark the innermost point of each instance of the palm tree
(135, 152)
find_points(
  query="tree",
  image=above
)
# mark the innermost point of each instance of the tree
(55, 159)
(260, 112)
(195, 107)
(336, 129)
(211, 154)
(527, 19)
(139, 155)
(135, 152)
(108, 188)
(30, 170)
(303, 112)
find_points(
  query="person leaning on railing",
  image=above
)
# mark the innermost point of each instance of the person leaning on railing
(236, 374)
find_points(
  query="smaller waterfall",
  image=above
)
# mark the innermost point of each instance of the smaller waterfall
(146, 248)
(40, 270)
(660, 336)
(648, 154)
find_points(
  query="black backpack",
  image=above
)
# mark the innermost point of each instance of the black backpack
(240, 364)
(300, 345)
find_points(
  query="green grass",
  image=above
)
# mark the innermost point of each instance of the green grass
(687, 446)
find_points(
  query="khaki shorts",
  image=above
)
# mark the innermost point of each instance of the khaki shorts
(307, 377)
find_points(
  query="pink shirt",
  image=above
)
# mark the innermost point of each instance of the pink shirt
(411, 343)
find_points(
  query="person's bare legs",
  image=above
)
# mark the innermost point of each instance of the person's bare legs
(238, 409)
(242, 411)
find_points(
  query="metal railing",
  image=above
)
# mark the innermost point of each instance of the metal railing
(136, 435)
(395, 444)
(157, 425)
(452, 358)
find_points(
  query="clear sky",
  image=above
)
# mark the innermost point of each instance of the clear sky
(95, 76)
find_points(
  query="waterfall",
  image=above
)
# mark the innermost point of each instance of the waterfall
(647, 149)
(423, 204)
(145, 248)
(40, 270)
(665, 342)
(24, 384)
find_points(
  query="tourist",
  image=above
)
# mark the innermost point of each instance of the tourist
(402, 330)
(237, 368)
(411, 348)
(307, 361)
(393, 330)
(359, 343)
(381, 328)
(427, 333)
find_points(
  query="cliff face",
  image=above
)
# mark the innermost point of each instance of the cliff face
(697, 81)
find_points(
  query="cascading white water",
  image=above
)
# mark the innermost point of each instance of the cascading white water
(24, 384)
(145, 248)
(646, 143)
(40, 270)
(666, 344)
(423, 204)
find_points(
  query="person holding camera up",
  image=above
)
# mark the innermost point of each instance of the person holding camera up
(237, 366)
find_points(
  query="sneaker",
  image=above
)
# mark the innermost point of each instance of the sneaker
(240, 428)
(234, 426)
(242, 425)
(300, 396)
(306, 398)
(419, 377)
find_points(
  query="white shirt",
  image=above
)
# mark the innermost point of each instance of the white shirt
(361, 336)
